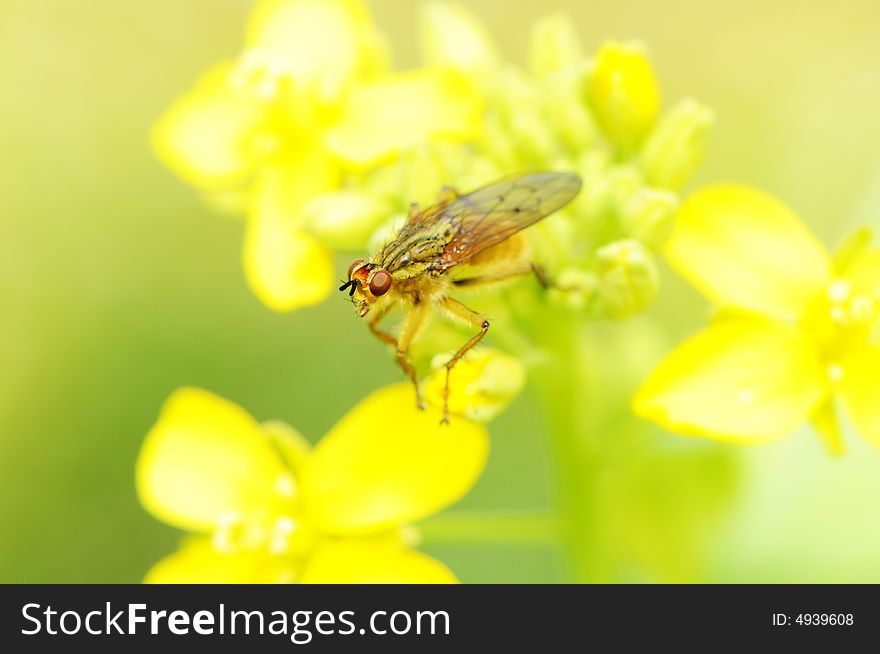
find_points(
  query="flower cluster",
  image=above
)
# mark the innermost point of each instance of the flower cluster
(312, 135)
(284, 132)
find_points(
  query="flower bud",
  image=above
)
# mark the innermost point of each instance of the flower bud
(628, 278)
(594, 199)
(452, 37)
(624, 94)
(675, 148)
(481, 385)
(575, 288)
(648, 215)
(554, 46)
(568, 115)
(520, 106)
(623, 182)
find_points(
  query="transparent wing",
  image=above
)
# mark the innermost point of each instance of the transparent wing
(489, 215)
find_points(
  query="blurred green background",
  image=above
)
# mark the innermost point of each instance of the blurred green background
(117, 285)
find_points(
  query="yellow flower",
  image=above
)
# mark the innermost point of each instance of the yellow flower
(796, 328)
(265, 507)
(308, 103)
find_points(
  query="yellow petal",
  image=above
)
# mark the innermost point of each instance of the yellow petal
(863, 277)
(624, 93)
(344, 220)
(321, 44)
(386, 463)
(481, 386)
(744, 249)
(451, 36)
(364, 561)
(291, 445)
(285, 269)
(827, 426)
(285, 186)
(405, 110)
(197, 562)
(215, 134)
(206, 461)
(743, 379)
(859, 389)
(853, 246)
(284, 265)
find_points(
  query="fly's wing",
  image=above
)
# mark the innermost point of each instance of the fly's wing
(489, 215)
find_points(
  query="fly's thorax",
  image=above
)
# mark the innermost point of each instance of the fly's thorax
(414, 246)
(420, 288)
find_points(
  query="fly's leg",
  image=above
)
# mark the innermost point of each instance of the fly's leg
(413, 324)
(526, 269)
(457, 308)
(385, 337)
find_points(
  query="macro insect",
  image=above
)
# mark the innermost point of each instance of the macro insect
(463, 240)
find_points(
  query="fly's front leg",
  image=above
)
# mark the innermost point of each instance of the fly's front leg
(413, 324)
(457, 308)
(385, 337)
(378, 333)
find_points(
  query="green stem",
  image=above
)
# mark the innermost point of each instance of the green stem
(570, 396)
(482, 527)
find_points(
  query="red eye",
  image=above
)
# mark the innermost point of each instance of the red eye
(380, 283)
(357, 263)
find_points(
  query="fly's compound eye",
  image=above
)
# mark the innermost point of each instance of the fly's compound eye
(380, 283)
(357, 263)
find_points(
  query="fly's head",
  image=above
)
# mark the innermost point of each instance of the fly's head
(366, 284)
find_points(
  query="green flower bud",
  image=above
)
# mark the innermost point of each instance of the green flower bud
(451, 36)
(568, 115)
(623, 182)
(648, 215)
(593, 200)
(628, 278)
(520, 106)
(575, 288)
(675, 148)
(554, 46)
(496, 142)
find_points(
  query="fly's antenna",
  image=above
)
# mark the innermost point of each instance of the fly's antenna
(351, 284)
